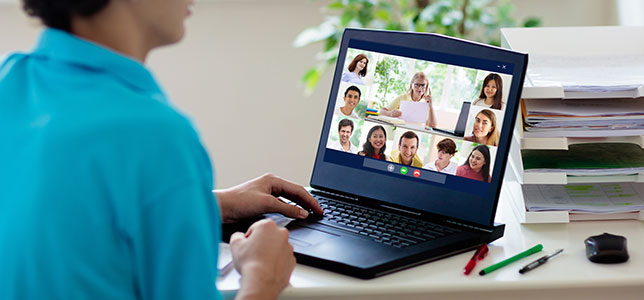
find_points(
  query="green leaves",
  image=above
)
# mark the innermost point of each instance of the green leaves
(347, 17)
(477, 20)
(312, 35)
(532, 22)
(311, 77)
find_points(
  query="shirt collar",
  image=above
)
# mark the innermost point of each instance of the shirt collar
(61, 45)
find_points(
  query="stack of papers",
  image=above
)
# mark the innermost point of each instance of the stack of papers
(583, 117)
(591, 198)
(609, 76)
(587, 160)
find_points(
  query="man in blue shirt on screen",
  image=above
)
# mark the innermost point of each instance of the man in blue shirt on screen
(105, 189)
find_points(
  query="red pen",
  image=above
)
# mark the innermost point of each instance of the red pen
(480, 253)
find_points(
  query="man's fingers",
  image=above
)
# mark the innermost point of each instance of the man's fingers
(295, 193)
(289, 210)
(236, 238)
(275, 205)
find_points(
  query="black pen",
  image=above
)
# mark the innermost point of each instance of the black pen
(535, 264)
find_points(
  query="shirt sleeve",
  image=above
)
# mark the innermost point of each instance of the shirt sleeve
(176, 246)
(179, 250)
(346, 77)
(395, 104)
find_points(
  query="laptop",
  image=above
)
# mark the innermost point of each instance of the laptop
(382, 216)
(461, 123)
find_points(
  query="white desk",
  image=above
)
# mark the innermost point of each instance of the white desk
(568, 276)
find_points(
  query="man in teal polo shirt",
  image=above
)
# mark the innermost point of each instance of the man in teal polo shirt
(105, 189)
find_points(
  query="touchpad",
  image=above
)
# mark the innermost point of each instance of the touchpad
(306, 237)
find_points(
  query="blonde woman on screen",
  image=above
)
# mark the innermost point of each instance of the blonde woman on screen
(418, 90)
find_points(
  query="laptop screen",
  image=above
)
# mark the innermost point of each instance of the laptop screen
(421, 122)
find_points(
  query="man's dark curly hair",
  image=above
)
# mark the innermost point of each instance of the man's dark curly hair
(58, 13)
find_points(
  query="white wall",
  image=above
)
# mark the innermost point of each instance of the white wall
(237, 75)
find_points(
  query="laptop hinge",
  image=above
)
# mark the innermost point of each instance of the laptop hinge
(470, 226)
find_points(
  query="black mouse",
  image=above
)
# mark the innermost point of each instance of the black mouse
(606, 249)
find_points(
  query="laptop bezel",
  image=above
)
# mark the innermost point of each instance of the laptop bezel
(520, 63)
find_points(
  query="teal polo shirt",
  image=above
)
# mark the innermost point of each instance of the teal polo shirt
(105, 189)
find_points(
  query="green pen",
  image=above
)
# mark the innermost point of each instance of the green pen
(512, 259)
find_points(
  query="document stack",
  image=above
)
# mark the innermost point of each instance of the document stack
(577, 152)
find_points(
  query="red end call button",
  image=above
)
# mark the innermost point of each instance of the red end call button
(416, 173)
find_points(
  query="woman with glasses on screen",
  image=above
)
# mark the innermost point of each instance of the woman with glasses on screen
(418, 90)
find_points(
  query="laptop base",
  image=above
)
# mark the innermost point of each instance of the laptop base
(311, 245)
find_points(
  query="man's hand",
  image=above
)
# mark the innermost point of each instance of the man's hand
(264, 258)
(260, 195)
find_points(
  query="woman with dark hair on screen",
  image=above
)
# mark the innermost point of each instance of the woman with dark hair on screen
(375, 145)
(357, 70)
(107, 190)
(491, 92)
(477, 166)
(485, 129)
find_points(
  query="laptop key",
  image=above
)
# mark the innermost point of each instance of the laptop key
(429, 236)
(404, 239)
(338, 226)
(415, 237)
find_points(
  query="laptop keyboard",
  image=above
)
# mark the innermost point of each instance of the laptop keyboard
(382, 227)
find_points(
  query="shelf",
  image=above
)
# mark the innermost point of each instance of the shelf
(569, 45)
(562, 143)
(511, 191)
(562, 178)
(557, 92)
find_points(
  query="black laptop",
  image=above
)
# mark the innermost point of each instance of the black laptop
(382, 216)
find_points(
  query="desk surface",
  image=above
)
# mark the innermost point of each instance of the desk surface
(570, 275)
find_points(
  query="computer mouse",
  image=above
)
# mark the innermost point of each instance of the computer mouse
(606, 249)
